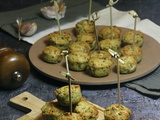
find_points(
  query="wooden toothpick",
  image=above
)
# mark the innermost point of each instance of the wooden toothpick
(135, 16)
(90, 9)
(95, 17)
(118, 78)
(116, 55)
(111, 22)
(111, 3)
(69, 77)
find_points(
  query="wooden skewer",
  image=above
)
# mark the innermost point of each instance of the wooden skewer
(57, 17)
(134, 35)
(111, 3)
(90, 9)
(69, 85)
(95, 17)
(111, 22)
(68, 76)
(119, 85)
(135, 16)
(116, 55)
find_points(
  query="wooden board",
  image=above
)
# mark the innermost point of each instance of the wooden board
(28, 101)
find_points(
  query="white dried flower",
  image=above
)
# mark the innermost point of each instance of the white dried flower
(49, 12)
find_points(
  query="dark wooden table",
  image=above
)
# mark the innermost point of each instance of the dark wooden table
(143, 107)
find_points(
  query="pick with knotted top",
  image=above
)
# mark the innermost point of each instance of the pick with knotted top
(116, 55)
(95, 16)
(66, 74)
(135, 16)
(133, 13)
(69, 77)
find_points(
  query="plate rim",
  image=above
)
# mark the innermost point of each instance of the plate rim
(93, 83)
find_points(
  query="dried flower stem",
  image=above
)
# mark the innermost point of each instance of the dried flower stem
(57, 17)
(19, 23)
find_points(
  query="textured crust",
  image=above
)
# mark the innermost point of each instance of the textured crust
(127, 38)
(84, 26)
(99, 67)
(79, 46)
(117, 112)
(51, 110)
(113, 44)
(86, 110)
(79, 57)
(51, 54)
(78, 61)
(105, 33)
(62, 95)
(89, 38)
(61, 41)
(129, 65)
(100, 54)
(132, 51)
(68, 116)
(99, 63)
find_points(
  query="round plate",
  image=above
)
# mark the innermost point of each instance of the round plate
(150, 61)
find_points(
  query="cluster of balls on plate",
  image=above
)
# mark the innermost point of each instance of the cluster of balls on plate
(84, 54)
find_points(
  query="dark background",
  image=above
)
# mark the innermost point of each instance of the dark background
(145, 8)
(143, 107)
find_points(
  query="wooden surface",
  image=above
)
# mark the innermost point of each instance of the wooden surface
(34, 104)
(29, 101)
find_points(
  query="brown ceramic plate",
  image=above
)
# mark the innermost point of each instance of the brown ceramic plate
(150, 61)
